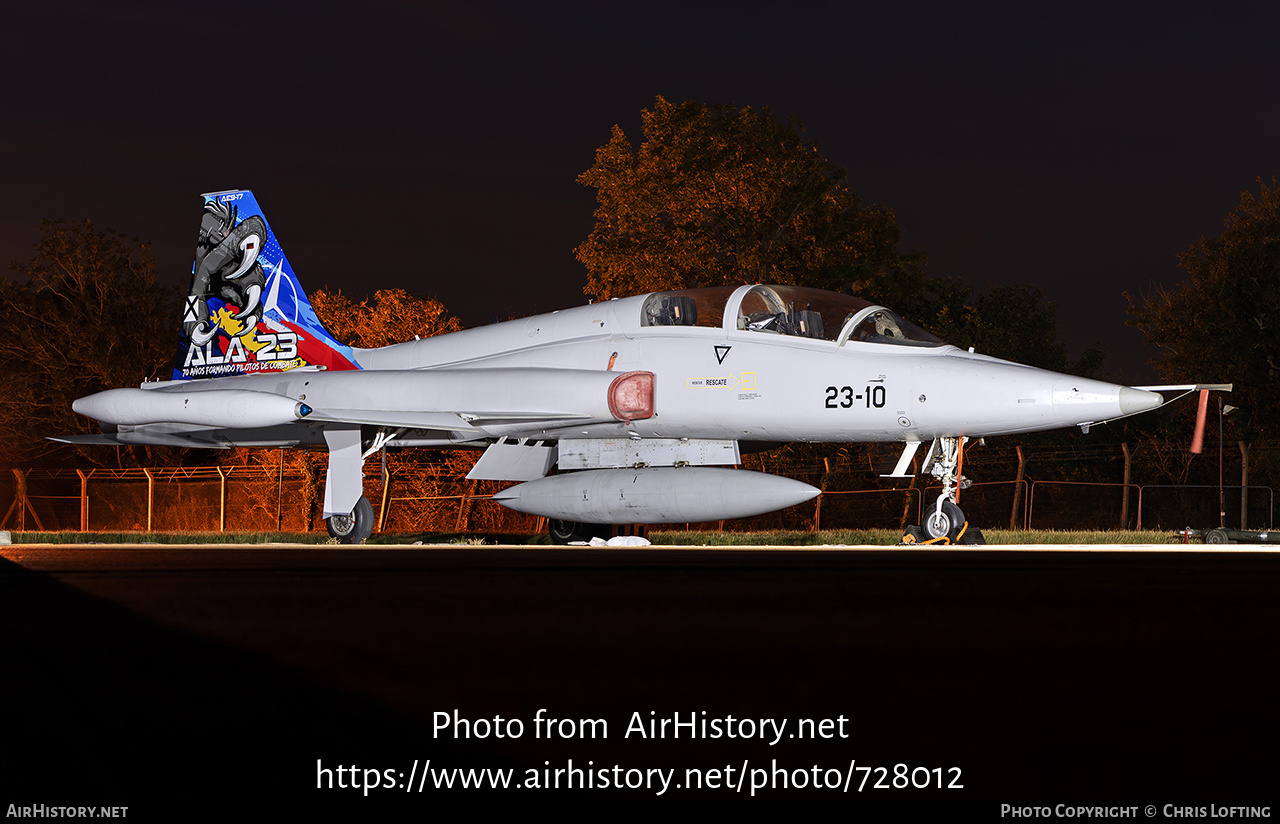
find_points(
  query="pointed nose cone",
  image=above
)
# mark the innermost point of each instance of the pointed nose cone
(1078, 400)
(1133, 401)
(976, 395)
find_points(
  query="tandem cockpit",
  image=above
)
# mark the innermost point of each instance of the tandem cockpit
(793, 311)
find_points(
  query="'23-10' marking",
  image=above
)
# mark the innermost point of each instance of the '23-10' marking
(843, 397)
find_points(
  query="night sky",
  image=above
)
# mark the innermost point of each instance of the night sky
(435, 146)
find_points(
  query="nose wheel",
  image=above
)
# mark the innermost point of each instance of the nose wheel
(944, 521)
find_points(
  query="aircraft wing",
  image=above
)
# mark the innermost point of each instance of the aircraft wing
(447, 421)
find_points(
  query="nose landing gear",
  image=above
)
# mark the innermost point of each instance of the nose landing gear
(944, 522)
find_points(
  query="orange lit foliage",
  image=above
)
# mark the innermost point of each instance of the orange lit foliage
(425, 477)
(717, 195)
(393, 316)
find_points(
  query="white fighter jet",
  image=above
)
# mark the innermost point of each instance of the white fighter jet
(640, 403)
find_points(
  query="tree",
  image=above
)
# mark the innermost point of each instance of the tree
(717, 196)
(1016, 323)
(395, 316)
(90, 316)
(1223, 325)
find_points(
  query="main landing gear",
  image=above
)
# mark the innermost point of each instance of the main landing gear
(944, 522)
(567, 532)
(355, 527)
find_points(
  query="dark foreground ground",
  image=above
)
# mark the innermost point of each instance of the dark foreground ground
(193, 682)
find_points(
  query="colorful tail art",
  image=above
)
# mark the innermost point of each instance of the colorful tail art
(245, 312)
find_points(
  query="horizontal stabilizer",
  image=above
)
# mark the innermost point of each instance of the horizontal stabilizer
(86, 440)
(144, 435)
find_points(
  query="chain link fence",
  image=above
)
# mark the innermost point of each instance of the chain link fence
(428, 492)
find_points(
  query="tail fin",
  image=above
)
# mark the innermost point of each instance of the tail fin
(245, 312)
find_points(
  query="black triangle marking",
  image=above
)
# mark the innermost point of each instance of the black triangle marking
(721, 351)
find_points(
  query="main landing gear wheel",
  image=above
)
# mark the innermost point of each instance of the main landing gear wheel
(946, 523)
(566, 532)
(1216, 536)
(353, 528)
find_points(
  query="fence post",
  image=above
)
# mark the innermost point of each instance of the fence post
(84, 500)
(1244, 484)
(1017, 489)
(222, 500)
(386, 492)
(464, 508)
(280, 494)
(1031, 502)
(1124, 502)
(817, 505)
(22, 504)
(151, 488)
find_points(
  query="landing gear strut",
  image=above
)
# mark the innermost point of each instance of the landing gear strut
(944, 521)
(355, 527)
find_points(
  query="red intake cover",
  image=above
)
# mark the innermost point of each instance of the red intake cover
(631, 396)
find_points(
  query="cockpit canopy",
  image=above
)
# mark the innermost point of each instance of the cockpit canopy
(793, 311)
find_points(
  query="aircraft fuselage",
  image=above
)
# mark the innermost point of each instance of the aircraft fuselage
(711, 383)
